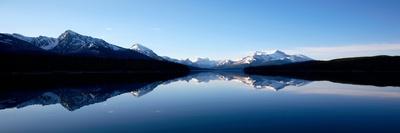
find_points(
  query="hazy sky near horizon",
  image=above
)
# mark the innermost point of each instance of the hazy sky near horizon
(218, 29)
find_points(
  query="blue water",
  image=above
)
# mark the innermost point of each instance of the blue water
(210, 102)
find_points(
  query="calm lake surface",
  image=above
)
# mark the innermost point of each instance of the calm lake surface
(206, 102)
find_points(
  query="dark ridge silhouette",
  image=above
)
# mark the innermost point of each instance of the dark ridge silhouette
(48, 62)
(20, 56)
(376, 70)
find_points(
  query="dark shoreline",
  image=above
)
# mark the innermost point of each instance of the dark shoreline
(36, 81)
(376, 70)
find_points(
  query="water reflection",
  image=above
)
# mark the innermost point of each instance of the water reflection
(73, 97)
(199, 102)
(146, 89)
(255, 81)
(74, 91)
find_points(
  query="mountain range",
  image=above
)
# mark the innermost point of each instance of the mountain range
(72, 51)
(72, 43)
(258, 58)
(76, 96)
(380, 70)
(68, 43)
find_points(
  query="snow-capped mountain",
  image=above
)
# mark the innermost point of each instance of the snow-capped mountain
(205, 62)
(146, 51)
(43, 42)
(185, 61)
(256, 59)
(8, 41)
(71, 43)
(265, 58)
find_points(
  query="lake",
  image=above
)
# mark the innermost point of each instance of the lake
(203, 102)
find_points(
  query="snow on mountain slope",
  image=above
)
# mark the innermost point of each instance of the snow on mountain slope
(42, 42)
(45, 43)
(185, 61)
(205, 62)
(277, 57)
(257, 58)
(8, 41)
(72, 43)
(19, 36)
(146, 51)
(67, 41)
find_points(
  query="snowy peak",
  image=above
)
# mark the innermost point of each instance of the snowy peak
(72, 35)
(205, 62)
(45, 43)
(279, 52)
(72, 42)
(146, 51)
(257, 58)
(198, 62)
(42, 42)
(69, 33)
(202, 60)
(140, 48)
(276, 52)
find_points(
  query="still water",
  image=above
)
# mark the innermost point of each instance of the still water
(206, 102)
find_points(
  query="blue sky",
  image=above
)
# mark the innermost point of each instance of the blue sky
(219, 29)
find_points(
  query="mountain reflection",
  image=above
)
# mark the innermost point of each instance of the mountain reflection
(76, 96)
(146, 89)
(76, 91)
(255, 81)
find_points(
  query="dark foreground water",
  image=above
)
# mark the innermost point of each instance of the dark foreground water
(205, 102)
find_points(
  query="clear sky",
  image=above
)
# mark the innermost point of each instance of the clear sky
(219, 29)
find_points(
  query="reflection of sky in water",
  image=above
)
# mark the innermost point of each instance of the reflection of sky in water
(330, 88)
(216, 105)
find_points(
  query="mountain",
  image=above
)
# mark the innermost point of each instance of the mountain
(262, 58)
(43, 42)
(74, 52)
(146, 51)
(185, 61)
(10, 43)
(72, 43)
(205, 63)
(354, 64)
(256, 59)
(375, 70)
